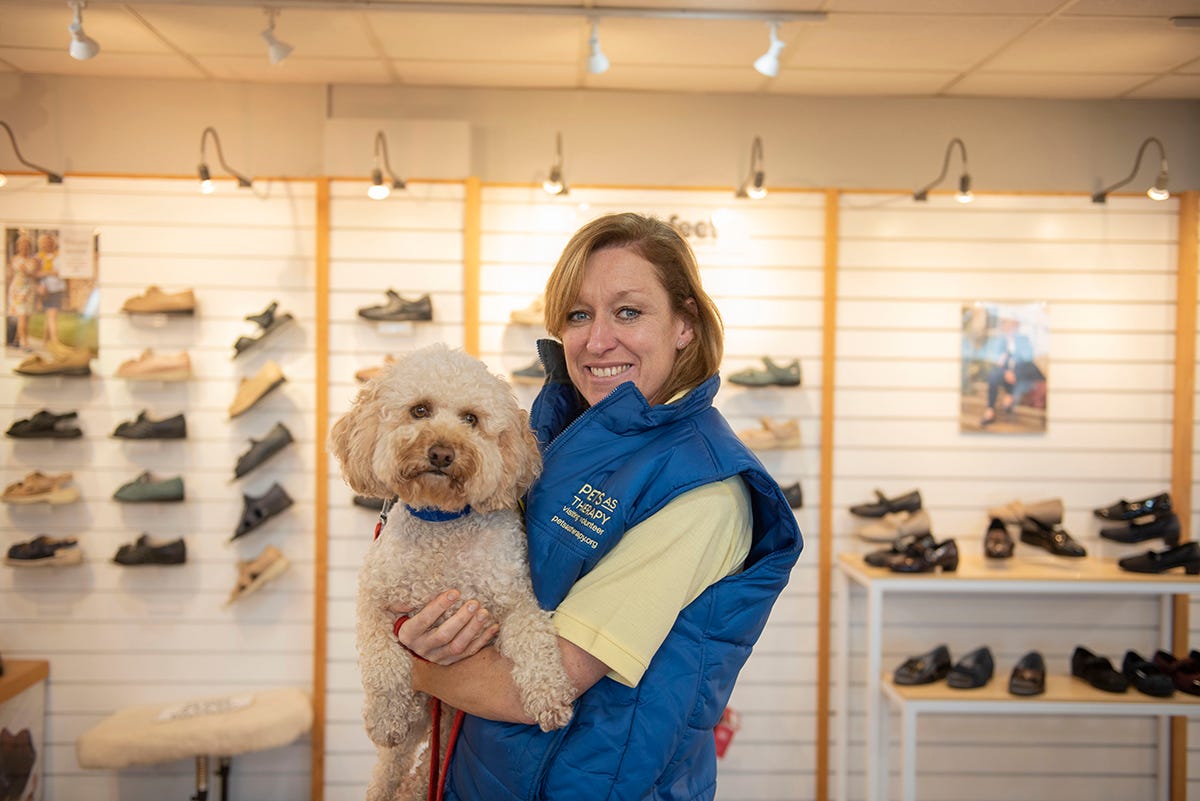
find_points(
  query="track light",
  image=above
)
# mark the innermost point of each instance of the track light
(597, 61)
(51, 177)
(1156, 192)
(755, 186)
(555, 185)
(82, 46)
(277, 51)
(964, 181)
(378, 190)
(206, 184)
(768, 62)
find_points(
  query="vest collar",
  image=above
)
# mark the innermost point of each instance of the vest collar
(431, 514)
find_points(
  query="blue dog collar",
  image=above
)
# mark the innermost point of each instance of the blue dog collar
(431, 514)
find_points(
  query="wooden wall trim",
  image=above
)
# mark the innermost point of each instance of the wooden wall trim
(472, 263)
(321, 494)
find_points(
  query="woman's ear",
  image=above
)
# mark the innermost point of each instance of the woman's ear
(687, 331)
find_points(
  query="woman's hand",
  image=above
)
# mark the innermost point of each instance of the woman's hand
(461, 635)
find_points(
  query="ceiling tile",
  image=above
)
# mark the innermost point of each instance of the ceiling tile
(859, 83)
(1169, 87)
(458, 73)
(984, 7)
(481, 37)
(204, 31)
(679, 79)
(1100, 45)
(1031, 84)
(1133, 8)
(296, 69)
(106, 65)
(45, 26)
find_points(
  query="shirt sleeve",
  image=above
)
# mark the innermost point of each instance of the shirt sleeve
(622, 610)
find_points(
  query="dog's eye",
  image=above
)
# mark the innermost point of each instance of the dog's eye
(419, 411)
(470, 419)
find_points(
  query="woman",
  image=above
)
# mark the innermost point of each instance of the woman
(655, 535)
(22, 290)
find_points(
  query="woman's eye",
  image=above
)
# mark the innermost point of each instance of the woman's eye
(419, 411)
(628, 313)
(470, 419)
(577, 316)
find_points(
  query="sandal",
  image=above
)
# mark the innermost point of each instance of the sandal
(256, 511)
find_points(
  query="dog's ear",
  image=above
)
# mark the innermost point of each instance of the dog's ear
(353, 441)
(521, 459)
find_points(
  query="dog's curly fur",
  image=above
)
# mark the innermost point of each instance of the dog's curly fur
(438, 430)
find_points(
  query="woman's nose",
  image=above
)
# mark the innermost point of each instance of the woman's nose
(600, 337)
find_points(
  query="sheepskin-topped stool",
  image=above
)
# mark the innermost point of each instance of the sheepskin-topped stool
(225, 726)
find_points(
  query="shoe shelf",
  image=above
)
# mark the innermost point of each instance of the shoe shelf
(1034, 574)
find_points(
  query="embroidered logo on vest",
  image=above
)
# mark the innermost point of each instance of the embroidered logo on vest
(589, 509)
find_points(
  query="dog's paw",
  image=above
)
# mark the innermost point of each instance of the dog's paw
(387, 733)
(550, 712)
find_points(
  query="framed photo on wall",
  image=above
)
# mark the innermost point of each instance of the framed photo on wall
(1005, 368)
(50, 288)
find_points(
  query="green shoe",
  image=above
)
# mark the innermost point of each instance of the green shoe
(774, 375)
(147, 489)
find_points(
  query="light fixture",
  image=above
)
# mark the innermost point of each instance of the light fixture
(378, 190)
(206, 184)
(82, 46)
(755, 186)
(277, 51)
(51, 177)
(1156, 192)
(555, 185)
(964, 181)
(768, 62)
(597, 61)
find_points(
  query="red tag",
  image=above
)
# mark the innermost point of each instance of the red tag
(379, 528)
(729, 724)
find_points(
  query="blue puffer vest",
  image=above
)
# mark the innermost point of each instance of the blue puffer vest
(606, 470)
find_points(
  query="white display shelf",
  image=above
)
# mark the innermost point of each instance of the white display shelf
(1028, 574)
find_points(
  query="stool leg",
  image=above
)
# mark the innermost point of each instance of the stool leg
(225, 766)
(201, 779)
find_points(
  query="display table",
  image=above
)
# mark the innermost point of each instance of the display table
(23, 723)
(1035, 574)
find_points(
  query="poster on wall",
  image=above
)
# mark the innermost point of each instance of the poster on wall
(50, 277)
(1005, 368)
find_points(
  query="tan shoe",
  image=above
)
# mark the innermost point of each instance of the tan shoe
(1049, 511)
(894, 525)
(367, 373)
(533, 314)
(155, 301)
(152, 367)
(63, 360)
(39, 487)
(773, 435)
(254, 389)
(254, 573)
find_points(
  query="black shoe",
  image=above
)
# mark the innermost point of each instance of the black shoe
(997, 543)
(276, 440)
(916, 543)
(924, 669)
(270, 324)
(17, 756)
(1051, 536)
(1186, 556)
(1028, 675)
(1165, 525)
(46, 425)
(1128, 510)
(147, 552)
(256, 511)
(925, 560)
(1147, 677)
(397, 309)
(1184, 673)
(794, 495)
(908, 502)
(44, 551)
(145, 428)
(973, 670)
(1097, 671)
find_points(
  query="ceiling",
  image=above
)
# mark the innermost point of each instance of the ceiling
(1093, 49)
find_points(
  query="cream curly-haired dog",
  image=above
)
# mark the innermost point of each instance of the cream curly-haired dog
(443, 435)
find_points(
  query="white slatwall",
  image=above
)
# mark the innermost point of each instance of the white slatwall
(1107, 274)
(764, 271)
(118, 636)
(411, 242)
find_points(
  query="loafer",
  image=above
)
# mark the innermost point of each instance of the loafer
(1165, 525)
(927, 559)
(144, 427)
(399, 309)
(1048, 511)
(43, 551)
(256, 572)
(973, 670)
(1051, 537)
(148, 489)
(65, 361)
(997, 543)
(1184, 673)
(925, 668)
(46, 425)
(1186, 556)
(908, 502)
(1028, 675)
(256, 511)
(260, 450)
(269, 324)
(254, 389)
(146, 551)
(771, 374)
(154, 367)
(917, 543)
(896, 524)
(1147, 677)
(1128, 510)
(155, 301)
(1097, 671)
(794, 495)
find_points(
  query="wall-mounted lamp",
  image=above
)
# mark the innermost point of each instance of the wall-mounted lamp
(597, 61)
(755, 185)
(964, 181)
(51, 177)
(82, 46)
(1156, 192)
(277, 51)
(768, 62)
(555, 184)
(206, 184)
(378, 190)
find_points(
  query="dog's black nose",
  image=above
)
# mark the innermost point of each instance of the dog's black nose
(441, 457)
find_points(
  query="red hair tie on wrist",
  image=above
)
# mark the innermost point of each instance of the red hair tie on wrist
(400, 621)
